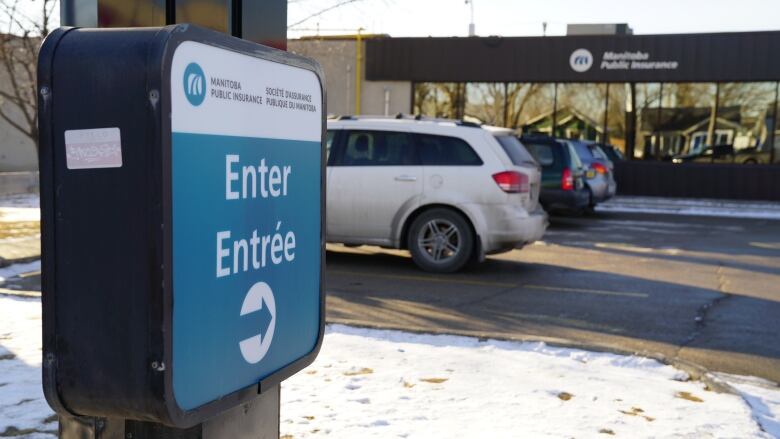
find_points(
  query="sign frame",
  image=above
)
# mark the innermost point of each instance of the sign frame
(158, 402)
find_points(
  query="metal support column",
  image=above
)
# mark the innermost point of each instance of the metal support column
(631, 123)
(604, 134)
(555, 110)
(773, 126)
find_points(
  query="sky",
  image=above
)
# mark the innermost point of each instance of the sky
(401, 18)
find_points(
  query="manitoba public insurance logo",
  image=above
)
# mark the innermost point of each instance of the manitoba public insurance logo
(581, 60)
(194, 84)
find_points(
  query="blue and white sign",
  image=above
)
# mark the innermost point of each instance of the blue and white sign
(246, 207)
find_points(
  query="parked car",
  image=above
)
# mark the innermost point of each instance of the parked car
(613, 154)
(563, 175)
(727, 154)
(708, 154)
(448, 191)
(599, 180)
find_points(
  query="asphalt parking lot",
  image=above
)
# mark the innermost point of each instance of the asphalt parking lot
(698, 289)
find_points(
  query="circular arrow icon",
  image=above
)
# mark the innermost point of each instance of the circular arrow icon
(260, 298)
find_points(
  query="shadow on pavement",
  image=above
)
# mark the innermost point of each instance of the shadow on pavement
(516, 299)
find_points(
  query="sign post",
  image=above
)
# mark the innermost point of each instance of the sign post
(182, 197)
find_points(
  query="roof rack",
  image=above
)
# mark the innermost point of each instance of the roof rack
(418, 117)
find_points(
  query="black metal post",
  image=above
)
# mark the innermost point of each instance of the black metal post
(555, 110)
(713, 122)
(257, 419)
(773, 125)
(506, 105)
(631, 123)
(604, 134)
(656, 133)
(170, 11)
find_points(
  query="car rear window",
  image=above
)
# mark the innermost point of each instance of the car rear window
(612, 153)
(516, 151)
(597, 152)
(446, 151)
(544, 153)
(574, 157)
(583, 150)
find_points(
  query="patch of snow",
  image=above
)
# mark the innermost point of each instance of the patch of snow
(22, 405)
(692, 207)
(441, 386)
(19, 214)
(17, 269)
(761, 395)
(21, 200)
(384, 384)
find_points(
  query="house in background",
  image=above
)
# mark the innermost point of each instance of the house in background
(569, 123)
(666, 132)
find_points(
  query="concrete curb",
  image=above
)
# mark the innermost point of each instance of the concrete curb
(695, 372)
(20, 293)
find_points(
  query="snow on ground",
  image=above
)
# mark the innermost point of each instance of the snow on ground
(389, 384)
(21, 200)
(696, 207)
(14, 208)
(762, 396)
(19, 218)
(371, 383)
(22, 406)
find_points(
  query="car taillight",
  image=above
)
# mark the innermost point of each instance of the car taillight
(567, 180)
(512, 182)
(599, 168)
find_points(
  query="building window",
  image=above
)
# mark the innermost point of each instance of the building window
(675, 122)
(750, 130)
(531, 107)
(580, 111)
(439, 99)
(486, 103)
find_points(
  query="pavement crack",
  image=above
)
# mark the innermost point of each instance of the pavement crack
(700, 320)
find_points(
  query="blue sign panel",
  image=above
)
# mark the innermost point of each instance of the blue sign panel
(246, 209)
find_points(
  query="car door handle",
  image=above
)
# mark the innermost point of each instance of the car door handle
(406, 178)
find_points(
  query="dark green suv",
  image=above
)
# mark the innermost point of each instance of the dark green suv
(563, 184)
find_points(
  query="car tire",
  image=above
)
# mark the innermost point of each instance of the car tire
(440, 241)
(590, 209)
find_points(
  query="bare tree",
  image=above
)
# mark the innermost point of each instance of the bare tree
(319, 12)
(520, 99)
(19, 47)
(442, 99)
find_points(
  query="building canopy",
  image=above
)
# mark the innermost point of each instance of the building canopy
(718, 57)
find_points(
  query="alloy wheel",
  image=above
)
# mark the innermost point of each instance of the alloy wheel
(439, 239)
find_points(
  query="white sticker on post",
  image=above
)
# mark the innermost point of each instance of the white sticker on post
(93, 148)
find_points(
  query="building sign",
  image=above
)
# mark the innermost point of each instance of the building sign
(634, 61)
(581, 60)
(246, 177)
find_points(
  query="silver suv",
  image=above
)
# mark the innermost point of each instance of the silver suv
(450, 192)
